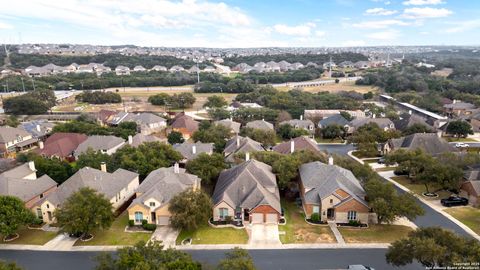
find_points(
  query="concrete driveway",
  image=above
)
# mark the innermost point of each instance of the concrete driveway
(263, 234)
(166, 234)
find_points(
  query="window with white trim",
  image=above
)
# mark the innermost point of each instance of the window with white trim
(223, 212)
(316, 209)
(138, 217)
(352, 215)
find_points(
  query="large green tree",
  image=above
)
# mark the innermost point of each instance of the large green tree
(175, 137)
(265, 137)
(92, 159)
(85, 211)
(212, 133)
(58, 170)
(287, 131)
(149, 256)
(236, 259)
(215, 102)
(207, 167)
(459, 128)
(13, 214)
(190, 209)
(433, 247)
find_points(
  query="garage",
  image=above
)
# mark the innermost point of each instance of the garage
(272, 218)
(163, 220)
(257, 218)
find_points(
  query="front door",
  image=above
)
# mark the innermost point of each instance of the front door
(154, 218)
(331, 213)
(49, 215)
(39, 213)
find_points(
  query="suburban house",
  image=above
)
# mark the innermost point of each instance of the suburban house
(105, 116)
(457, 108)
(156, 191)
(319, 114)
(139, 139)
(336, 119)
(428, 142)
(147, 123)
(185, 125)
(22, 182)
(296, 144)
(239, 144)
(332, 192)
(105, 144)
(122, 70)
(118, 187)
(260, 124)
(306, 124)
(61, 145)
(39, 129)
(14, 140)
(407, 120)
(190, 150)
(470, 187)
(229, 123)
(248, 193)
(383, 123)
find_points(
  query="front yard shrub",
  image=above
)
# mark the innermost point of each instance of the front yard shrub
(37, 222)
(228, 219)
(144, 222)
(354, 223)
(131, 222)
(315, 217)
(149, 227)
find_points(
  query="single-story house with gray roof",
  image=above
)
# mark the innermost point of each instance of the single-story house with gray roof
(105, 144)
(190, 151)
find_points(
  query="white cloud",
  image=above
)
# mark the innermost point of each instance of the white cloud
(426, 12)
(5, 26)
(353, 43)
(380, 11)
(463, 26)
(298, 30)
(384, 35)
(422, 2)
(319, 33)
(379, 24)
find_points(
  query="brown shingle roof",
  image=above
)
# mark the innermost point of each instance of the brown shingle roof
(185, 122)
(62, 144)
(299, 143)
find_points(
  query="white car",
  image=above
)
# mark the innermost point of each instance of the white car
(461, 145)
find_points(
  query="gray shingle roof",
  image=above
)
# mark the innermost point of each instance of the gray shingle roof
(336, 119)
(99, 142)
(428, 142)
(407, 120)
(163, 184)
(299, 144)
(234, 126)
(106, 183)
(381, 122)
(248, 185)
(186, 149)
(8, 134)
(297, 123)
(260, 124)
(239, 144)
(459, 106)
(139, 118)
(139, 139)
(321, 180)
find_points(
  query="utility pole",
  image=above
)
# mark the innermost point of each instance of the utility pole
(23, 84)
(198, 73)
(33, 83)
(330, 67)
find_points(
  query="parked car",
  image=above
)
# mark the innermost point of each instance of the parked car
(454, 201)
(461, 145)
(381, 160)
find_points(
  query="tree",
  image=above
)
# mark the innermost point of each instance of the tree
(151, 256)
(346, 115)
(218, 113)
(433, 247)
(13, 214)
(12, 121)
(9, 266)
(287, 131)
(84, 211)
(190, 209)
(175, 137)
(215, 102)
(58, 170)
(333, 132)
(265, 137)
(236, 259)
(92, 159)
(447, 176)
(283, 116)
(161, 99)
(182, 100)
(207, 167)
(416, 128)
(99, 97)
(212, 133)
(459, 129)
(24, 105)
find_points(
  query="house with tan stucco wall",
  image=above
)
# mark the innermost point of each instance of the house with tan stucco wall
(156, 191)
(332, 192)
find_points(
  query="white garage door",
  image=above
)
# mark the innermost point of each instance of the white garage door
(272, 218)
(163, 220)
(257, 218)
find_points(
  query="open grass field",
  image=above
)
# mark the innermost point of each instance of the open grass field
(116, 235)
(469, 216)
(209, 235)
(336, 87)
(297, 230)
(375, 233)
(31, 237)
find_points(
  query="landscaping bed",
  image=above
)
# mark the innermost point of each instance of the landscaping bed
(116, 235)
(297, 230)
(31, 237)
(233, 223)
(374, 233)
(209, 235)
(468, 215)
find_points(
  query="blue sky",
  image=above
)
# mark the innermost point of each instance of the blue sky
(242, 23)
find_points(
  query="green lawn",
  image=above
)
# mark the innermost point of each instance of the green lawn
(321, 140)
(297, 230)
(374, 233)
(450, 139)
(31, 237)
(467, 215)
(209, 235)
(116, 235)
(360, 155)
(420, 188)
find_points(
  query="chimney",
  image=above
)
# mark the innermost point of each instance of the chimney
(31, 166)
(40, 144)
(194, 149)
(410, 112)
(374, 116)
(301, 117)
(330, 160)
(292, 146)
(238, 141)
(103, 166)
(38, 128)
(176, 168)
(130, 139)
(247, 156)
(454, 101)
(231, 118)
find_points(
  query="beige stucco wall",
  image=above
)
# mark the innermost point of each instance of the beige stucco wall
(216, 214)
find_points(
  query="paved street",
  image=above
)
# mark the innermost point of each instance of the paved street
(299, 259)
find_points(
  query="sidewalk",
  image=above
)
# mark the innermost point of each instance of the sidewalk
(336, 233)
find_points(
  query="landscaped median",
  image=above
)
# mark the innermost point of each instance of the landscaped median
(298, 231)
(374, 233)
(419, 189)
(468, 215)
(207, 235)
(31, 237)
(116, 235)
